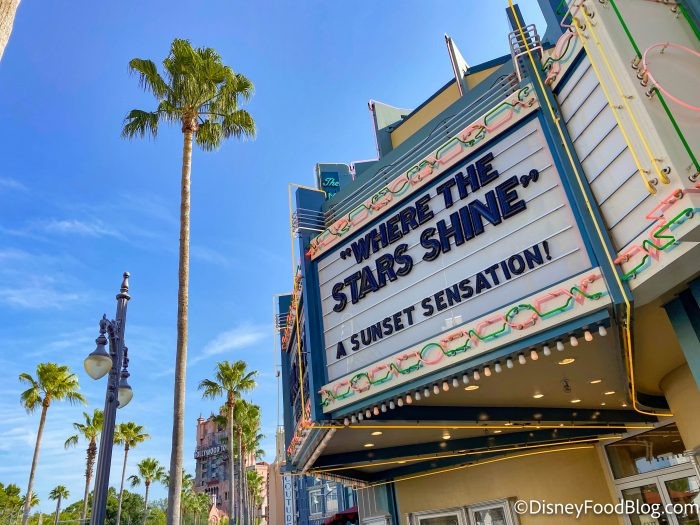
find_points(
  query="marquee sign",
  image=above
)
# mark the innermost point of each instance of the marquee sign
(495, 228)
(211, 451)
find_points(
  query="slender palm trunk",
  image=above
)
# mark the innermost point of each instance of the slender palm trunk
(241, 467)
(58, 510)
(145, 502)
(121, 487)
(90, 463)
(231, 463)
(8, 8)
(175, 487)
(35, 460)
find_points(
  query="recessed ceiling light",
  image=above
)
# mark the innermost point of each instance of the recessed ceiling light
(567, 361)
(446, 436)
(609, 392)
(471, 387)
(573, 401)
(377, 433)
(538, 395)
(369, 445)
(497, 431)
(595, 381)
(509, 424)
(624, 404)
(602, 404)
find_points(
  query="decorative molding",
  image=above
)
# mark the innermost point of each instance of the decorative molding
(484, 129)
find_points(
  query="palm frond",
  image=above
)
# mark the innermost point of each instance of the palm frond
(71, 441)
(140, 123)
(211, 389)
(149, 78)
(239, 124)
(209, 135)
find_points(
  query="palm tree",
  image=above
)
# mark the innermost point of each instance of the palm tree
(149, 471)
(58, 493)
(255, 484)
(249, 425)
(8, 8)
(231, 379)
(53, 382)
(201, 94)
(128, 434)
(90, 430)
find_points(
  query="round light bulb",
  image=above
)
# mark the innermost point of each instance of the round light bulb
(392, 406)
(573, 340)
(417, 395)
(368, 414)
(375, 410)
(560, 345)
(509, 363)
(487, 371)
(346, 422)
(476, 375)
(455, 382)
(436, 389)
(546, 351)
(588, 336)
(383, 408)
(521, 359)
(445, 386)
(353, 419)
(98, 363)
(426, 392)
(497, 367)
(409, 399)
(533, 355)
(399, 402)
(602, 331)
(360, 416)
(465, 379)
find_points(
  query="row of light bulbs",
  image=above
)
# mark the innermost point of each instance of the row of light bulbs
(476, 375)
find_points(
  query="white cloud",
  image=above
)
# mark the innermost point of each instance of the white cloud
(209, 255)
(242, 336)
(40, 294)
(11, 184)
(78, 227)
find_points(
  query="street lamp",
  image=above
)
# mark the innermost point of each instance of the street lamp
(119, 392)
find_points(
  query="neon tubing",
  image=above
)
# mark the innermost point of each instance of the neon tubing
(626, 328)
(645, 69)
(662, 175)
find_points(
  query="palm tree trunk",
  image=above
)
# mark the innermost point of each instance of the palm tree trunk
(58, 510)
(231, 465)
(241, 467)
(121, 487)
(175, 487)
(8, 9)
(90, 463)
(35, 460)
(145, 503)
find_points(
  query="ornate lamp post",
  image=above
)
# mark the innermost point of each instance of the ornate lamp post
(119, 392)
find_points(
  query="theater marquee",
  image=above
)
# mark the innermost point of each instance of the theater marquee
(495, 228)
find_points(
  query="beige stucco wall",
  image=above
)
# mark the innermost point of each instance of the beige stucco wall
(570, 476)
(683, 398)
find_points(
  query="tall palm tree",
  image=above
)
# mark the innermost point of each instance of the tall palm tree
(90, 430)
(128, 434)
(8, 8)
(149, 471)
(53, 382)
(255, 485)
(201, 94)
(58, 493)
(249, 425)
(230, 380)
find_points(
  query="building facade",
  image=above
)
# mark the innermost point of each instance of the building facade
(502, 310)
(211, 467)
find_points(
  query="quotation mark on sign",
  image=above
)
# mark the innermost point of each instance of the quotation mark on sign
(532, 176)
(344, 254)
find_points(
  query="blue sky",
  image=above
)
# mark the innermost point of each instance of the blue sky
(79, 205)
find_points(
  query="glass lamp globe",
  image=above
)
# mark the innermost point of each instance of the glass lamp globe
(98, 363)
(124, 394)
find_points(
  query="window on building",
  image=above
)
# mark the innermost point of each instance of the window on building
(656, 449)
(315, 502)
(496, 512)
(331, 499)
